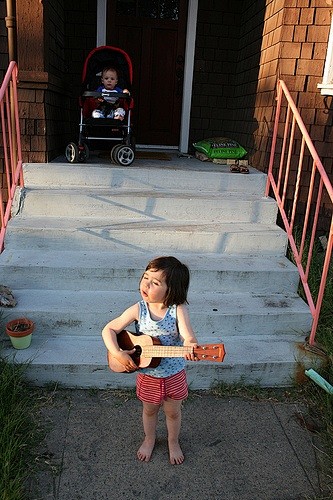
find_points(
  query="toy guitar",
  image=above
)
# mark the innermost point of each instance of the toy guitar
(149, 351)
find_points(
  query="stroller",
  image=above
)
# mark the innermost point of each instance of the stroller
(104, 133)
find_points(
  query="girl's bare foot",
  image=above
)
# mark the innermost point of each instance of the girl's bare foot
(175, 454)
(145, 450)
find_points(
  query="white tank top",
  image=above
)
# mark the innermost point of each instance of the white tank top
(167, 332)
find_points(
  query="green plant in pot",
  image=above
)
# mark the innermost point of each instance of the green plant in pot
(20, 331)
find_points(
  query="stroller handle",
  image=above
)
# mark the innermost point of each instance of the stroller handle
(119, 95)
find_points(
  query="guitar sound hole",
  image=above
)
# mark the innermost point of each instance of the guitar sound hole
(138, 351)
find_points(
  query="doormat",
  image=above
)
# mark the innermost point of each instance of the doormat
(142, 155)
(152, 155)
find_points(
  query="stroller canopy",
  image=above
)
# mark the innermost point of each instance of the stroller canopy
(102, 57)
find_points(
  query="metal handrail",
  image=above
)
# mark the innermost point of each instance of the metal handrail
(296, 143)
(11, 146)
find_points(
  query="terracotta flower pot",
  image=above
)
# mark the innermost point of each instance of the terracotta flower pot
(20, 331)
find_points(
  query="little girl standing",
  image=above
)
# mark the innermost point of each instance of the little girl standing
(161, 313)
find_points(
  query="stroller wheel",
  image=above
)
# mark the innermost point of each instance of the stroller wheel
(83, 153)
(112, 153)
(72, 153)
(123, 155)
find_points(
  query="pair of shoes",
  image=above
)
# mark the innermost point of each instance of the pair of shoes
(234, 168)
(97, 113)
(119, 114)
(239, 169)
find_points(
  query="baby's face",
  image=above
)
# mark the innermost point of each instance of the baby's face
(109, 79)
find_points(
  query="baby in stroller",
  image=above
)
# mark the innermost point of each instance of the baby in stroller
(107, 107)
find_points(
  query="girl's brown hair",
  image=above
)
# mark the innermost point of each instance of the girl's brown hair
(177, 278)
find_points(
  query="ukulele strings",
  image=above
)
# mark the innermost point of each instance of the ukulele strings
(165, 351)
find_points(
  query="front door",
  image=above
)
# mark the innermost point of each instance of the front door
(153, 34)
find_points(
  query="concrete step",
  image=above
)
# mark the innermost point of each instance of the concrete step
(79, 361)
(92, 270)
(85, 312)
(144, 205)
(182, 175)
(145, 237)
(83, 235)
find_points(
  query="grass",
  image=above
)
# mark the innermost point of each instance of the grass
(19, 432)
(319, 402)
(325, 326)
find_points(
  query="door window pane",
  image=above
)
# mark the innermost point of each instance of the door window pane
(126, 7)
(155, 9)
(169, 9)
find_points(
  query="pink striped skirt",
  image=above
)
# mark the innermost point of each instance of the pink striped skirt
(155, 390)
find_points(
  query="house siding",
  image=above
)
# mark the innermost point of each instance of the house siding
(46, 96)
(3, 67)
(3, 41)
(242, 49)
(215, 68)
(301, 36)
(80, 34)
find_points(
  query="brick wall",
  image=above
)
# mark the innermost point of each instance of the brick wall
(242, 49)
(55, 60)
(72, 34)
(268, 75)
(31, 94)
(215, 70)
(50, 77)
(252, 37)
(294, 49)
(57, 96)
(229, 62)
(38, 54)
(80, 34)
